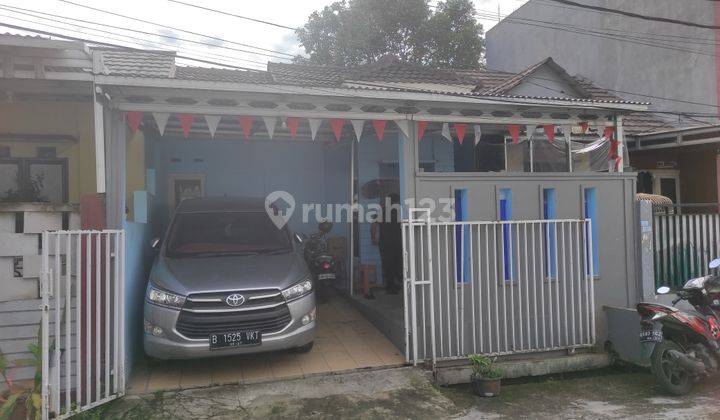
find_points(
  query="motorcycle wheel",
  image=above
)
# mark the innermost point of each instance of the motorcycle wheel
(668, 374)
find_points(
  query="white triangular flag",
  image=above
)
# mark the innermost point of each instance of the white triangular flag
(212, 121)
(314, 125)
(358, 127)
(530, 131)
(161, 119)
(567, 132)
(270, 123)
(446, 132)
(477, 128)
(404, 126)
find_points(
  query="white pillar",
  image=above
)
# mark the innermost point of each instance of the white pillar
(620, 133)
(98, 119)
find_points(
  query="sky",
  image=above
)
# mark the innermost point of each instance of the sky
(217, 37)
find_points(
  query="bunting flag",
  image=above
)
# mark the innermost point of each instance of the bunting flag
(477, 128)
(421, 126)
(314, 126)
(609, 132)
(446, 132)
(567, 132)
(549, 132)
(133, 119)
(460, 129)
(246, 123)
(292, 125)
(186, 121)
(212, 122)
(161, 119)
(514, 131)
(270, 123)
(404, 126)
(358, 126)
(584, 127)
(530, 131)
(379, 126)
(337, 125)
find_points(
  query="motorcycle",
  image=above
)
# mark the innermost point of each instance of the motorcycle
(322, 265)
(683, 346)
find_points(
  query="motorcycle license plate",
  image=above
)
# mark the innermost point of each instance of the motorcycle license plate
(651, 336)
(326, 276)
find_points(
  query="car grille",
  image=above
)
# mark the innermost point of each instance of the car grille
(206, 313)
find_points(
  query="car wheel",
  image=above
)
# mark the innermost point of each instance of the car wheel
(304, 349)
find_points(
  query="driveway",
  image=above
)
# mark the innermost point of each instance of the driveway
(406, 393)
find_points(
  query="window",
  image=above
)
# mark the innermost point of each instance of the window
(462, 238)
(591, 247)
(505, 210)
(34, 179)
(550, 213)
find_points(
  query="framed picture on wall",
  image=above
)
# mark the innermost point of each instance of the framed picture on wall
(184, 186)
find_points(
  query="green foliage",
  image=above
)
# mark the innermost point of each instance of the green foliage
(32, 396)
(353, 32)
(484, 367)
(28, 190)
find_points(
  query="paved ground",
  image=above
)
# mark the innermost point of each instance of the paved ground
(407, 393)
(345, 341)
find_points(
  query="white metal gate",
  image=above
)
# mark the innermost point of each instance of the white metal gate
(82, 330)
(496, 288)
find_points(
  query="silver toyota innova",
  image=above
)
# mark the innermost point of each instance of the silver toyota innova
(227, 281)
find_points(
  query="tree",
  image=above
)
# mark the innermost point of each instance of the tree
(363, 31)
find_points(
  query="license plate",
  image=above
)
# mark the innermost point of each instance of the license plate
(651, 336)
(234, 339)
(326, 276)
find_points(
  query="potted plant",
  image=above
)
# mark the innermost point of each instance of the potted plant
(485, 379)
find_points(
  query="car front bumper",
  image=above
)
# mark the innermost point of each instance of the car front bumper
(173, 345)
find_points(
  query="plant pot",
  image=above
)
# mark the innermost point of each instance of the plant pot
(485, 387)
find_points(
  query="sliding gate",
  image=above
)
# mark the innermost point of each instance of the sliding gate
(496, 288)
(82, 329)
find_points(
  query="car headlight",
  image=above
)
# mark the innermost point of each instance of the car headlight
(298, 290)
(163, 298)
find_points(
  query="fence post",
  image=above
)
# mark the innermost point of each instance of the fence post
(645, 251)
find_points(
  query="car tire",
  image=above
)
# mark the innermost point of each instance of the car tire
(670, 378)
(304, 349)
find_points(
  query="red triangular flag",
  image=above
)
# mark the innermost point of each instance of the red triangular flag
(460, 129)
(379, 126)
(292, 125)
(246, 124)
(549, 132)
(609, 133)
(514, 130)
(584, 127)
(186, 121)
(337, 126)
(133, 119)
(421, 125)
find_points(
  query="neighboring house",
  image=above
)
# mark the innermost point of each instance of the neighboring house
(673, 66)
(490, 148)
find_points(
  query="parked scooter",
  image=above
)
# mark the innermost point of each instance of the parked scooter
(682, 346)
(322, 265)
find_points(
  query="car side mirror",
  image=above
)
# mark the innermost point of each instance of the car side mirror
(714, 264)
(663, 290)
(155, 243)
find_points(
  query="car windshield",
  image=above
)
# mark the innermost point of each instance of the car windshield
(230, 233)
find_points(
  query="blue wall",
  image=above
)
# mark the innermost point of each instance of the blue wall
(138, 260)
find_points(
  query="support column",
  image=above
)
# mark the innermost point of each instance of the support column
(408, 166)
(115, 170)
(99, 122)
(620, 134)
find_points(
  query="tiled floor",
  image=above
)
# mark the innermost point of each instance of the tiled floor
(345, 340)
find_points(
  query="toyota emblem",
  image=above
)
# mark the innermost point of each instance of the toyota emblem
(236, 299)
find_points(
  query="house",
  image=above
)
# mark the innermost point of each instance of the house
(674, 149)
(515, 198)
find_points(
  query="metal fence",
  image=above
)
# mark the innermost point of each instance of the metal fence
(684, 244)
(82, 329)
(497, 288)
